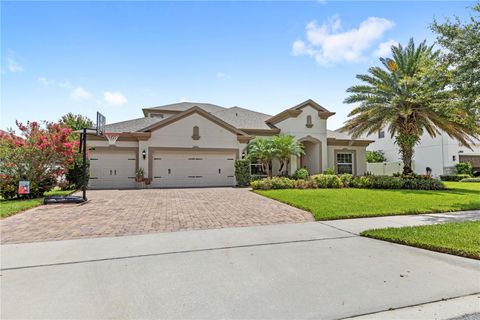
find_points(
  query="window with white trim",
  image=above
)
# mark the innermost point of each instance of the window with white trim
(344, 163)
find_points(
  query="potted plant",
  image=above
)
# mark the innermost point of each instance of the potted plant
(139, 177)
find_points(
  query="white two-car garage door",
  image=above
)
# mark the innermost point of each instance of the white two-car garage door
(112, 169)
(193, 168)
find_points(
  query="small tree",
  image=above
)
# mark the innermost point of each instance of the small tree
(75, 121)
(375, 157)
(41, 155)
(461, 41)
(263, 151)
(280, 147)
(285, 146)
(74, 172)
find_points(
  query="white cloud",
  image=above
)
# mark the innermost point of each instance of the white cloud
(114, 98)
(329, 44)
(52, 82)
(13, 65)
(46, 82)
(384, 48)
(221, 75)
(80, 94)
(65, 84)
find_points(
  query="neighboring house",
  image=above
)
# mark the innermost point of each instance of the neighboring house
(6, 133)
(195, 144)
(441, 153)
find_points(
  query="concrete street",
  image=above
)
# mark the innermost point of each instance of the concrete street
(308, 270)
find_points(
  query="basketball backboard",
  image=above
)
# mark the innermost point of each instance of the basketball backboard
(100, 124)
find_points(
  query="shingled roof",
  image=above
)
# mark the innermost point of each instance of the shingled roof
(237, 117)
(183, 106)
(133, 125)
(243, 118)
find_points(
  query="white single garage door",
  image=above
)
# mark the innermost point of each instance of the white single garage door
(112, 169)
(193, 169)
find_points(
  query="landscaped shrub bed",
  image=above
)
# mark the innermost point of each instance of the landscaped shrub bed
(454, 177)
(470, 180)
(349, 181)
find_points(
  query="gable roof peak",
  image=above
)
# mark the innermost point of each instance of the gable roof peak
(296, 110)
(311, 103)
(200, 111)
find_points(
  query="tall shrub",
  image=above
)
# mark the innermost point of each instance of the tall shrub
(41, 155)
(242, 172)
(464, 168)
(74, 173)
(375, 157)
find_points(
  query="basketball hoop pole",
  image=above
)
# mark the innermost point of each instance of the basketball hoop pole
(100, 130)
(84, 142)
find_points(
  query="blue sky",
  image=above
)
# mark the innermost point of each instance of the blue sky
(117, 57)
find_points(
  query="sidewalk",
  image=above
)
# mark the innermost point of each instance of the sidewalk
(356, 226)
(462, 308)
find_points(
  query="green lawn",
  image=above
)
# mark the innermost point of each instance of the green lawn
(458, 238)
(10, 207)
(326, 204)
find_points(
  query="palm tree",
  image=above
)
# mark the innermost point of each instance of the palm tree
(285, 147)
(409, 95)
(280, 147)
(263, 151)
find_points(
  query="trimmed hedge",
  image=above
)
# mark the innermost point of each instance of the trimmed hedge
(454, 177)
(242, 172)
(348, 181)
(300, 173)
(273, 183)
(470, 180)
(327, 181)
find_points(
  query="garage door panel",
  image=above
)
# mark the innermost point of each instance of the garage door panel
(112, 169)
(193, 169)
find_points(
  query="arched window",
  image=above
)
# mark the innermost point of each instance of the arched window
(309, 122)
(196, 133)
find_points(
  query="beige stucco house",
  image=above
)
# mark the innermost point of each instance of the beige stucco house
(195, 145)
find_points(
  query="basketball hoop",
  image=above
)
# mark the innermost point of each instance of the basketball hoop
(111, 137)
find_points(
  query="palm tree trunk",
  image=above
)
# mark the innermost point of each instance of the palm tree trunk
(266, 168)
(406, 152)
(283, 166)
(407, 141)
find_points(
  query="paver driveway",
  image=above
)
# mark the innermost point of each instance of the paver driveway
(127, 212)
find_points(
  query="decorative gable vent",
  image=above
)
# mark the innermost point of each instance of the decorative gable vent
(196, 133)
(309, 122)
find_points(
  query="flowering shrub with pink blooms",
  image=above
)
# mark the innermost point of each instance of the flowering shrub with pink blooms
(40, 153)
